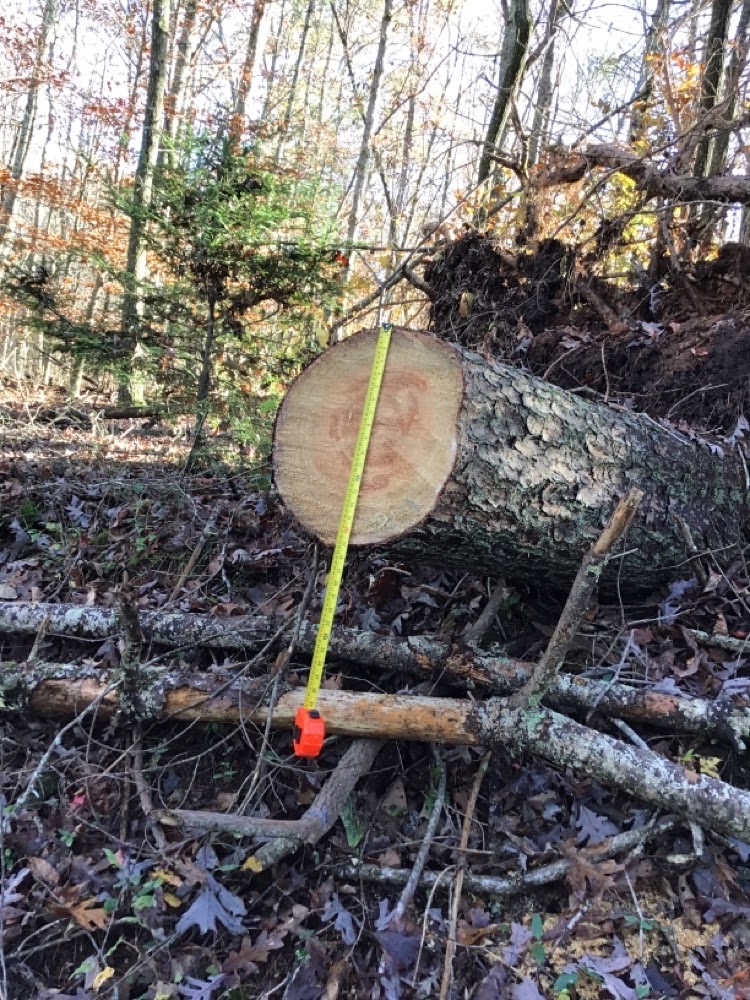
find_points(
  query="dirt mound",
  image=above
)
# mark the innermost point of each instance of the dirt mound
(676, 348)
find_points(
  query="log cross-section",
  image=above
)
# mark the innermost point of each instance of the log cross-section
(482, 466)
(411, 450)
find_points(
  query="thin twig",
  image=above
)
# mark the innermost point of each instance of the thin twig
(523, 881)
(281, 670)
(144, 792)
(208, 527)
(450, 944)
(38, 639)
(631, 734)
(20, 804)
(411, 886)
(695, 562)
(130, 663)
(740, 647)
(475, 632)
(425, 919)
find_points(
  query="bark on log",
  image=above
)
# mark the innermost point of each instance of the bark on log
(658, 183)
(460, 665)
(654, 181)
(714, 804)
(479, 465)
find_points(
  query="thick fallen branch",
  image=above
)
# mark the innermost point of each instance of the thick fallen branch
(416, 655)
(561, 741)
(653, 181)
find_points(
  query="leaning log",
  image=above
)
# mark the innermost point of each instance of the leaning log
(563, 742)
(457, 664)
(478, 465)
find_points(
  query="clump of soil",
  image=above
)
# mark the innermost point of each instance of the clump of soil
(676, 349)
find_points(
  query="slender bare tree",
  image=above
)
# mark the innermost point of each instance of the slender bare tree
(26, 129)
(143, 184)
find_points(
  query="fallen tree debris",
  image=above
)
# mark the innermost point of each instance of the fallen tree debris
(563, 742)
(580, 595)
(285, 836)
(505, 462)
(418, 655)
(521, 881)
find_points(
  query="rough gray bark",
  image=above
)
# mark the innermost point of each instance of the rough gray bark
(538, 473)
(711, 803)
(60, 689)
(513, 58)
(419, 655)
(731, 88)
(543, 100)
(713, 63)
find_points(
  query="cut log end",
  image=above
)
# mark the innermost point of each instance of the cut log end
(413, 445)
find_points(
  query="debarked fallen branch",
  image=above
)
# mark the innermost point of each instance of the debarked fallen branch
(57, 689)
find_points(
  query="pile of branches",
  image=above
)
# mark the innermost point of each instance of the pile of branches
(515, 720)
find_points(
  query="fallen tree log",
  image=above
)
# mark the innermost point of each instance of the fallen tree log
(479, 465)
(59, 689)
(71, 415)
(420, 655)
(654, 180)
(661, 183)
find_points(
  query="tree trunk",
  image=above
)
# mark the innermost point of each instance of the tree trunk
(295, 78)
(360, 170)
(544, 90)
(204, 381)
(713, 63)
(644, 88)
(481, 466)
(144, 178)
(732, 90)
(270, 72)
(248, 66)
(513, 57)
(173, 103)
(23, 139)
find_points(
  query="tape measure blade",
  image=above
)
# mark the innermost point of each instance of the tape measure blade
(346, 522)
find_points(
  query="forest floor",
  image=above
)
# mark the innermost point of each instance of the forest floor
(92, 907)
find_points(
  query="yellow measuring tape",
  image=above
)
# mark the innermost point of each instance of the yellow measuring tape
(309, 729)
